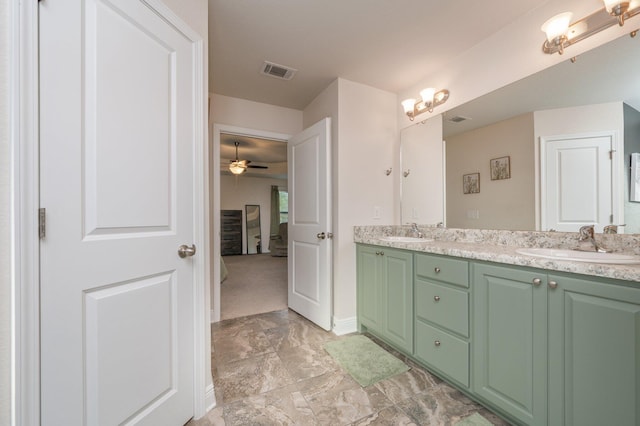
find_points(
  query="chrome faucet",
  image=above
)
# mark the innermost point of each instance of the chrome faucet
(416, 231)
(587, 234)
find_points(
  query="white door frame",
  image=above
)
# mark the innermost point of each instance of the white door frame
(617, 173)
(215, 188)
(25, 262)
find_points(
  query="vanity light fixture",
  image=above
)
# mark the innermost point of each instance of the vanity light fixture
(562, 34)
(429, 99)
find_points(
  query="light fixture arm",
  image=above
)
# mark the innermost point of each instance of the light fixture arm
(590, 25)
(425, 105)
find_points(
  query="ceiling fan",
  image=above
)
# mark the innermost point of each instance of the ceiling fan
(237, 166)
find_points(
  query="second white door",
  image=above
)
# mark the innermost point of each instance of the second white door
(310, 227)
(576, 187)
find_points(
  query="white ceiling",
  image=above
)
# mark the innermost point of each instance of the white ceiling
(387, 44)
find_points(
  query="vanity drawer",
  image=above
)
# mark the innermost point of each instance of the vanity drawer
(442, 305)
(443, 351)
(453, 271)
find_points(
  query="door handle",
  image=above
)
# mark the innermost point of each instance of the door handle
(321, 236)
(185, 250)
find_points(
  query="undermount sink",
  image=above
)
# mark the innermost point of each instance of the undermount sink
(580, 256)
(398, 239)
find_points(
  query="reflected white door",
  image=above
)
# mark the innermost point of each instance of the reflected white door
(117, 160)
(576, 182)
(309, 155)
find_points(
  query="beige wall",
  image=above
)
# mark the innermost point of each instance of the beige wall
(501, 204)
(5, 203)
(255, 115)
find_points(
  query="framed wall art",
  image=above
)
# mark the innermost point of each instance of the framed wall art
(500, 168)
(471, 183)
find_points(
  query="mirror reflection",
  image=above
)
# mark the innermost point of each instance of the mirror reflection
(593, 104)
(252, 223)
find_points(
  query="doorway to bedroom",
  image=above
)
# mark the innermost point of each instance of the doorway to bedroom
(253, 225)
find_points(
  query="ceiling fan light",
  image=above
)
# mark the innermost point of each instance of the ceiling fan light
(237, 167)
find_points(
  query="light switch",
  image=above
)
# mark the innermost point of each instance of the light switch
(473, 214)
(376, 212)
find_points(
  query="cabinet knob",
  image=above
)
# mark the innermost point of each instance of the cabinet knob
(437, 343)
(436, 270)
(537, 281)
(379, 253)
(436, 298)
(553, 284)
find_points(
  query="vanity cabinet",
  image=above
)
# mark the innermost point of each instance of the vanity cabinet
(556, 349)
(594, 352)
(540, 347)
(442, 315)
(385, 294)
(509, 340)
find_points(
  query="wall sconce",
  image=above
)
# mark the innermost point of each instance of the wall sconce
(429, 99)
(561, 33)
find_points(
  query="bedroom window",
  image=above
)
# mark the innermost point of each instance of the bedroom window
(284, 205)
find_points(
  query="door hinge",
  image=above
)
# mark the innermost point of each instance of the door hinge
(611, 154)
(42, 223)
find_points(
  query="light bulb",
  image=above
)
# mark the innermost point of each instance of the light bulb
(557, 26)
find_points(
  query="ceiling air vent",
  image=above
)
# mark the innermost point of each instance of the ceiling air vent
(277, 71)
(458, 119)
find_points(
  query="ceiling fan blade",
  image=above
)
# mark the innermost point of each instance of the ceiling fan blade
(257, 167)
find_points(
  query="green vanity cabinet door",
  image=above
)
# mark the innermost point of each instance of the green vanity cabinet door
(369, 270)
(594, 352)
(397, 298)
(385, 294)
(510, 340)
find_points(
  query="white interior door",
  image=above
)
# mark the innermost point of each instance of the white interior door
(118, 100)
(309, 259)
(577, 182)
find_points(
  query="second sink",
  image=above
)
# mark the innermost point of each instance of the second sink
(399, 239)
(580, 256)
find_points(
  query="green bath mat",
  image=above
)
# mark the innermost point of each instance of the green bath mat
(474, 420)
(364, 360)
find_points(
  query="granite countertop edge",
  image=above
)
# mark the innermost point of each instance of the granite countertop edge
(506, 254)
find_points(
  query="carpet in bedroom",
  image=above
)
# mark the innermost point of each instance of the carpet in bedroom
(256, 283)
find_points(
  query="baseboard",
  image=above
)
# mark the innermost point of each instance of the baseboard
(210, 398)
(345, 326)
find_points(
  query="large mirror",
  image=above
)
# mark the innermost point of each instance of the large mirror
(252, 223)
(599, 93)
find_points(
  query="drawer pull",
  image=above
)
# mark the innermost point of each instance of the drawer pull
(436, 270)
(437, 343)
(553, 284)
(537, 281)
(436, 298)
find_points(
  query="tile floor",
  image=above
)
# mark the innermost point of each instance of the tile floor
(271, 369)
